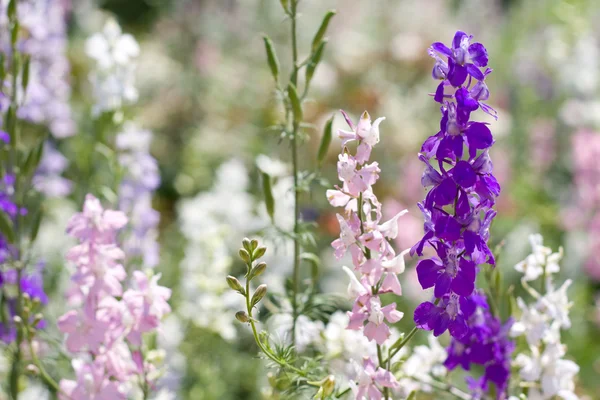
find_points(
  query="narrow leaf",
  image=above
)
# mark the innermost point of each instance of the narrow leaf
(325, 141)
(295, 101)
(272, 58)
(6, 227)
(35, 227)
(268, 193)
(322, 30)
(314, 61)
(25, 78)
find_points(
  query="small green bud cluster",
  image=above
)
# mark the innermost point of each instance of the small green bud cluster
(250, 253)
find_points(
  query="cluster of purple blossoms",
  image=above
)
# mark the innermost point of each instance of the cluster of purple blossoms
(487, 344)
(31, 283)
(458, 207)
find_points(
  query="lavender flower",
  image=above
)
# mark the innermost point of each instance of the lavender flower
(458, 208)
(135, 194)
(48, 179)
(46, 101)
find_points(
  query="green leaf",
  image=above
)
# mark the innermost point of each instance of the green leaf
(285, 4)
(315, 263)
(412, 395)
(6, 228)
(109, 195)
(314, 61)
(2, 70)
(25, 77)
(272, 58)
(268, 194)
(11, 11)
(325, 141)
(14, 34)
(295, 102)
(322, 30)
(33, 159)
(35, 226)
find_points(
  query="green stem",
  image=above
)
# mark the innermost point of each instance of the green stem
(400, 343)
(266, 351)
(446, 387)
(294, 139)
(43, 374)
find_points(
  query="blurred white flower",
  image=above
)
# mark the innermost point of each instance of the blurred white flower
(113, 79)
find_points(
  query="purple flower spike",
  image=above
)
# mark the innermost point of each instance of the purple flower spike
(458, 212)
(458, 209)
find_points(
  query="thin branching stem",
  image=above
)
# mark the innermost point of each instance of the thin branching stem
(294, 140)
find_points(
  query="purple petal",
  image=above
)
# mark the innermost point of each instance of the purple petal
(427, 272)
(442, 285)
(465, 100)
(441, 324)
(474, 72)
(458, 328)
(464, 282)
(445, 192)
(447, 228)
(439, 93)
(442, 48)
(458, 37)
(479, 136)
(457, 74)
(462, 205)
(478, 54)
(426, 315)
(463, 174)
(4, 136)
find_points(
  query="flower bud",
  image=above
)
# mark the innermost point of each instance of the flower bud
(326, 387)
(233, 283)
(245, 255)
(258, 270)
(258, 253)
(242, 316)
(259, 293)
(17, 320)
(254, 244)
(32, 369)
(36, 319)
(247, 245)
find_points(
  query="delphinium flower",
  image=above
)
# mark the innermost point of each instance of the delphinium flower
(487, 344)
(365, 236)
(48, 179)
(106, 328)
(543, 367)
(140, 180)
(31, 281)
(462, 190)
(113, 79)
(46, 100)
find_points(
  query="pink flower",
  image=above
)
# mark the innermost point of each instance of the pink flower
(370, 379)
(83, 333)
(367, 238)
(104, 327)
(92, 383)
(147, 304)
